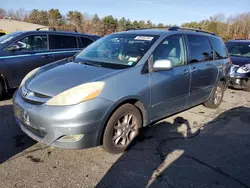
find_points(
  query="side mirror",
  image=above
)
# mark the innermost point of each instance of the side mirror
(13, 47)
(163, 65)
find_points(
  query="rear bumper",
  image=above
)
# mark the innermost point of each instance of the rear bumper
(47, 124)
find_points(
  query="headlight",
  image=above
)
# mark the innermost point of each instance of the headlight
(244, 69)
(77, 94)
(29, 75)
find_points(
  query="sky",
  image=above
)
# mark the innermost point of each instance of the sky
(158, 11)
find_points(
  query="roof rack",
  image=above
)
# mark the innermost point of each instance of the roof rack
(174, 28)
(50, 28)
(139, 28)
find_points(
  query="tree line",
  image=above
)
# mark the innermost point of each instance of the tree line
(236, 26)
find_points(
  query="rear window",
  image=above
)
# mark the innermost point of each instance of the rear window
(62, 42)
(199, 48)
(219, 48)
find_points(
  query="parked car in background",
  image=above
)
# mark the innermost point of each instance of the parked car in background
(21, 52)
(120, 83)
(239, 51)
(2, 33)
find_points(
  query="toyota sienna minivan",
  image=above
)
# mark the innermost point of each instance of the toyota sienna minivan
(119, 84)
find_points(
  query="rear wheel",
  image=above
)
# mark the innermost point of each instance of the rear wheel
(216, 97)
(122, 127)
(1, 89)
(246, 85)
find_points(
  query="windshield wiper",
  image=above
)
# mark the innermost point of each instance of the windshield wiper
(91, 64)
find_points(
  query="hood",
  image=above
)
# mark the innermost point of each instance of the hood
(240, 60)
(56, 78)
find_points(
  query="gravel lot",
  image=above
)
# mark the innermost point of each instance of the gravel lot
(197, 148)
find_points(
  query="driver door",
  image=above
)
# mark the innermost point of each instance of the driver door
(170, 88)
(32, 53)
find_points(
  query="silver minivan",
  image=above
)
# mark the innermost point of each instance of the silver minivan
(119, 84)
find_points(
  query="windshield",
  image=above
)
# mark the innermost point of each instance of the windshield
(124, 50)
(6, 38)
(239, 49)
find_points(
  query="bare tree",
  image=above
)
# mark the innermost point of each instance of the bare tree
(2, 13)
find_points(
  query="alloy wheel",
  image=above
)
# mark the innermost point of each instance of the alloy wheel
(125, 130)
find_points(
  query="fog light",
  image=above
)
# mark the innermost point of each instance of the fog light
(237, 81)
(71, 138)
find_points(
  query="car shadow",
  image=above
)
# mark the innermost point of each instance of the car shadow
(182, 155)
(12, 139)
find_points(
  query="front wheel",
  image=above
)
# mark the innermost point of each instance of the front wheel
(122, 127)
(216, 97)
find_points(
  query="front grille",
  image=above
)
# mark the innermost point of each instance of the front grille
(40, 95)
(37, 132)
(34, 97)
(32, 101)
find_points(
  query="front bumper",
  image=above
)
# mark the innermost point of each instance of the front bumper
(238, 82)
(47, 124)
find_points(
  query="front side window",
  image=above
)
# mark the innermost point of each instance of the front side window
(241, 49)
(219, 48)
(62, 42)
(32, 43)
(200, 49)
(171, 48)
(122, 49)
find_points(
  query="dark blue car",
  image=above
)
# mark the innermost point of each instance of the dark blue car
(21, 52)
(239, 51)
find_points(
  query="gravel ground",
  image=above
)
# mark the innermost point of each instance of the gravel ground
(196, 148)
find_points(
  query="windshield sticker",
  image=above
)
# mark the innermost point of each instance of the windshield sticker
(144, 38)
(133, 59)
(130, 63)
(6, 40)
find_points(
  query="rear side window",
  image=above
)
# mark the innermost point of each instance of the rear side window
(62, 42)
(84, 42)
(199, 49)
(219, 48)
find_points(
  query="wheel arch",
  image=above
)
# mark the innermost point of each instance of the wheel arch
(224, 80)
(128, 100)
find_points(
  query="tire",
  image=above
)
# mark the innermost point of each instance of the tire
(246, 85)
(216, 96)
(122, 127)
